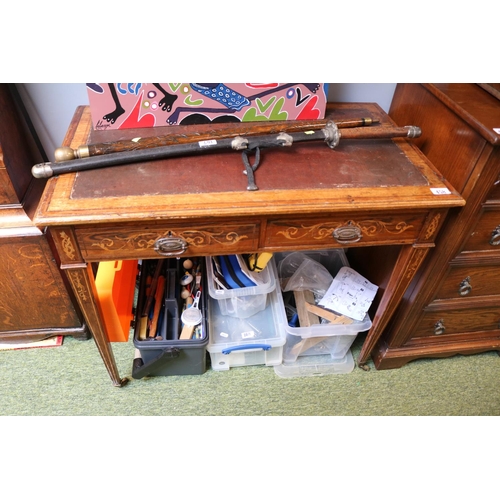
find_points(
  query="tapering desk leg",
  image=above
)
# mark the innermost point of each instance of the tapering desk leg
(82, 281)
(407, 264)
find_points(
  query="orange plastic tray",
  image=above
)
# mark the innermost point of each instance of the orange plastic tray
(115, 283)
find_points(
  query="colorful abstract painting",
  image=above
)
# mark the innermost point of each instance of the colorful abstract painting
(135, 105)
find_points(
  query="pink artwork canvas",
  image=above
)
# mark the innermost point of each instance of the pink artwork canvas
(136, 105)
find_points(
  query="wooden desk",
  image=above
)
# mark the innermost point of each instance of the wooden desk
(379, 192)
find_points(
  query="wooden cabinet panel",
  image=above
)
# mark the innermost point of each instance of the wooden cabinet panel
(15, 157)
(441, 127)
(8, 195)
(32, 295)
(149, 241)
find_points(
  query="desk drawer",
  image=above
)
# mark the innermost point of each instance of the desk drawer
(486, 234)
(470, 281)
(341, 230)
(150, 241)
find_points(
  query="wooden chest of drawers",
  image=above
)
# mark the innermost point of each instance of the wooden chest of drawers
(453, 305)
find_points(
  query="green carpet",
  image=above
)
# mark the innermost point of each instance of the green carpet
(71, 380)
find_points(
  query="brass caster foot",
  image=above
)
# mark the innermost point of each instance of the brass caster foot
(123, 381)
(364, 367)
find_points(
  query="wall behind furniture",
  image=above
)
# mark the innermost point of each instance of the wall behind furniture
(51, 105)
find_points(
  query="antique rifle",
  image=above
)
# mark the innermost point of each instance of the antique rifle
(227, 131)
(330, 133)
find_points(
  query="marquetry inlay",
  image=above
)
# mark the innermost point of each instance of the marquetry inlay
(431, 229)
(78, 285)
(196, 238)
(418, 257)
(322, 230)
(67, 245)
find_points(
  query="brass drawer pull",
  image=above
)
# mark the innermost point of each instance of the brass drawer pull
(347, 234)
(170, 246)
(439, 327)
(465, 287)
(495, 236)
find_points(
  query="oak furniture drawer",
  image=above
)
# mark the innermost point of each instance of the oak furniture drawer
(347, 229)
(149, 241)
(439, 323)
(486, 234)
(470, 281)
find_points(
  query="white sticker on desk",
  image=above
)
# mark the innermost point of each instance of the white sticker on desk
(204, 144)
(496, 130)
(440, 191)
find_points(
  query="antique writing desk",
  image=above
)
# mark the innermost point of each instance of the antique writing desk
(365, 192)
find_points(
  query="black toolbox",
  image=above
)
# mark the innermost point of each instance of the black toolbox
(159, 336)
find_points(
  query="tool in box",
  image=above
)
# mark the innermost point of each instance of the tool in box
(170, 289)
(191, 317)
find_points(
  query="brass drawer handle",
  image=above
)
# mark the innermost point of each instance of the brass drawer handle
(170, 246)
(465, 287)
(347, 234)
(495, 236)
(439, 327)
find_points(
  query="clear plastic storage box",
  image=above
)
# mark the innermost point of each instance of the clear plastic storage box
(314, 366)
(241, 302)
(256, 340)
(320, 339)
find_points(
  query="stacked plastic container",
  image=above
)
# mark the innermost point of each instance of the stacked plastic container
(318, 349)
(247, 325)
